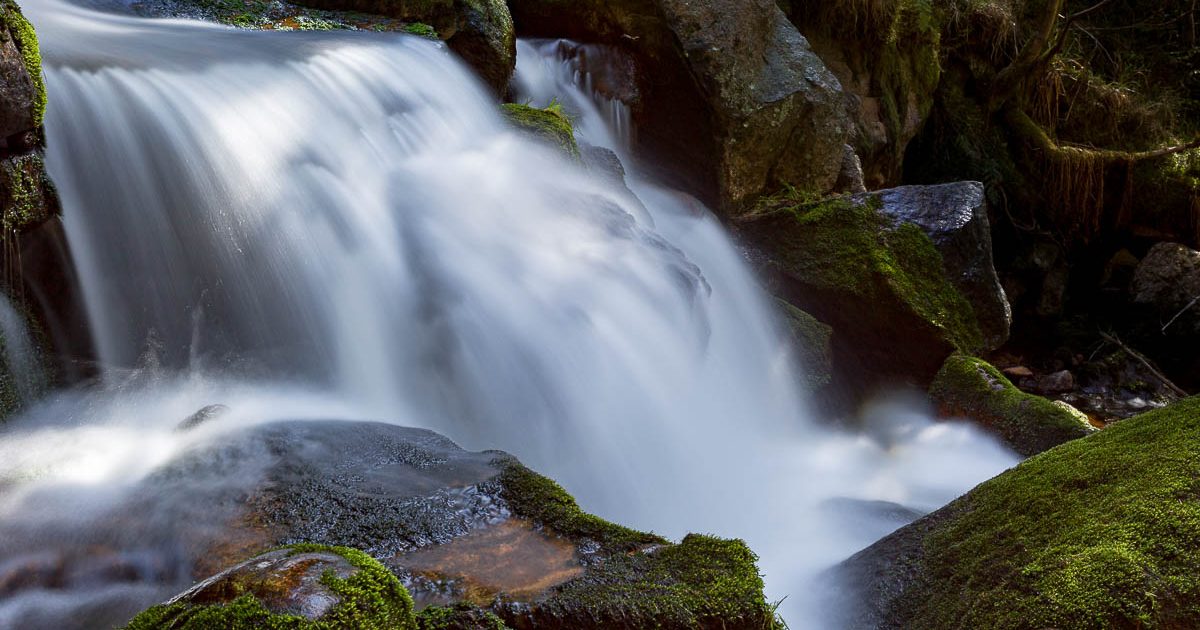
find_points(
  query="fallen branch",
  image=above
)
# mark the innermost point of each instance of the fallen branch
(1144, 361)
(1181, 312)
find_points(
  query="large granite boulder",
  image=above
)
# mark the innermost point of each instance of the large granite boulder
(728, 89)
(477, 532)
(1096, 533)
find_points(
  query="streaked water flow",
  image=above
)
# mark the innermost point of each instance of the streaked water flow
(342, 225)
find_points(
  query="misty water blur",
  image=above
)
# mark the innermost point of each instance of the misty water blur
(325, 225)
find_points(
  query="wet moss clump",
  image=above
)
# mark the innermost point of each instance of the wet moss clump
(970, 387)
(372, 598)
(26, 41)
(1097, 533)
(703, 582)
(546, 503)
(549, 124)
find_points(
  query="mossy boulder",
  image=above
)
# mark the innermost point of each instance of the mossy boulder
(1097, 533)
(302, 587)
(728, 89)
(478, 535)
(972, 388)
(549, 125)
(813, 343)
(22, 91)
(853, 267)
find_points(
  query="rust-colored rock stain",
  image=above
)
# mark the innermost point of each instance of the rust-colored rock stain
(511, 557)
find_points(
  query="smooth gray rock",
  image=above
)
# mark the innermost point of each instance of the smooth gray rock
(955, 217)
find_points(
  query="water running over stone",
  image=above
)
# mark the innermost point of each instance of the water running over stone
(342, 226)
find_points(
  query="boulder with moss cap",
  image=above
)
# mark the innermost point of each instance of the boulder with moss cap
(1096, 533)
(850, 264)
(972, 388)
(472, 536)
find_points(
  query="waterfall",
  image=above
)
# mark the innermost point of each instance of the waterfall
(316, 225)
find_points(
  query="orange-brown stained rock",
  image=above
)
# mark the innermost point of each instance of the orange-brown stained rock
(510, 558)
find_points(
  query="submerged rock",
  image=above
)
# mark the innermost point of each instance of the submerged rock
(475, 532)
(727, 88)
(1029, 424)
(1096, 533)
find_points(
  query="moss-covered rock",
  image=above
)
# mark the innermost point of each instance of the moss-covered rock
(972, 388)
(851, 266)
(813, 343)
(702, 582)
(478, 536)
(302, 587)
(549, 124)
(1096, 533)
(22, 90)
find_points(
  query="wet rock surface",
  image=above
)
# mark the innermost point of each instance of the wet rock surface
(955, 217)
(477, 532)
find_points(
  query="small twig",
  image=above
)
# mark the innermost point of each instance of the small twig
(1144, 361)
(1172, 321)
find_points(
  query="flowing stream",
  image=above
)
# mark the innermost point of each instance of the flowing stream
(325, 225)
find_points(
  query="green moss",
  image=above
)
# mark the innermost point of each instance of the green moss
(966, 386)
(543, 501)
(26, 41)
(549, 124)
(1097, 533)
(422, 30)
(849, 247)
(458, 617)
(371, 598)
(703, 582)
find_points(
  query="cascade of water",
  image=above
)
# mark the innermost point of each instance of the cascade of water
(325, 225)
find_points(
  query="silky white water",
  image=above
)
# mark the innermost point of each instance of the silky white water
(301, 225)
